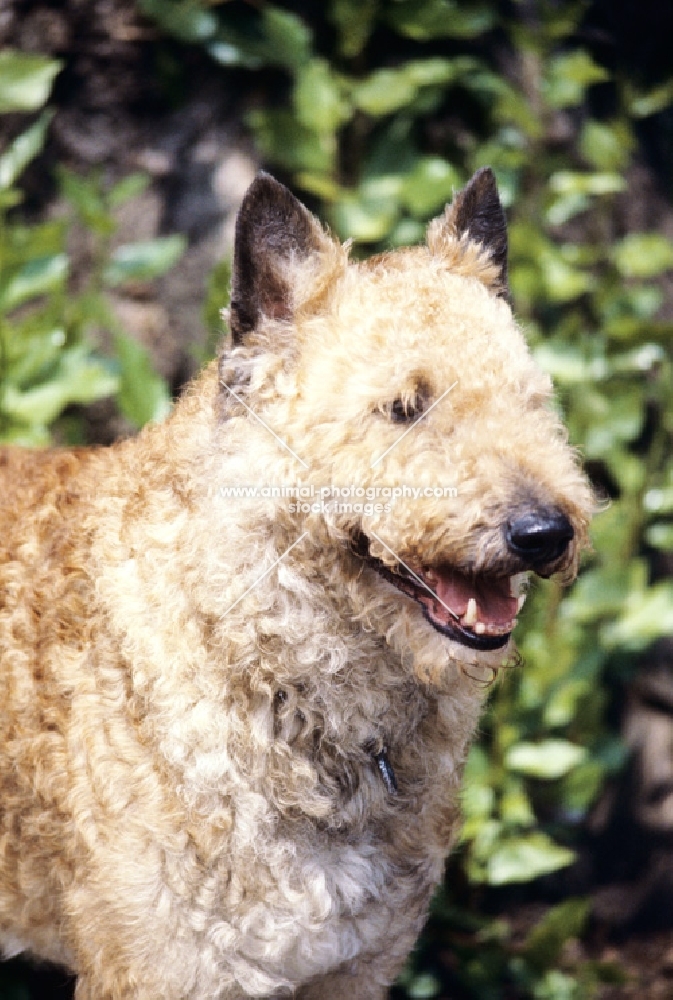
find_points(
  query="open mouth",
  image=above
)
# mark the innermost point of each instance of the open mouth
(477, 610)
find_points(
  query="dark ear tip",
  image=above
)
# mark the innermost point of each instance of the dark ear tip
(484, 181)
(484, 173)
(265, 186)
(273, 229)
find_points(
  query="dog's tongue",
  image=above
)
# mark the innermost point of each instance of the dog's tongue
(495, 604)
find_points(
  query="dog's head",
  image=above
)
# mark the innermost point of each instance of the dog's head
(410, 410)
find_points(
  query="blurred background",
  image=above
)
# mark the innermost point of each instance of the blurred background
(129, 130)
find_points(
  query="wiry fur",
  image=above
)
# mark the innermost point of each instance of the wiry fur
(190, 804)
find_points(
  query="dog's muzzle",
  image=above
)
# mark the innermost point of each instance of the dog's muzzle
(478, 608)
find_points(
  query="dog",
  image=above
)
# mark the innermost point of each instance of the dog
(244, 653)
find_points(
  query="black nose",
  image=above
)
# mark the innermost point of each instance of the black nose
(539, 537)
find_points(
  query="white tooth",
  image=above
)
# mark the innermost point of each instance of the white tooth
(470, 616)
(520, 603)
(480, 628)
(517, 583)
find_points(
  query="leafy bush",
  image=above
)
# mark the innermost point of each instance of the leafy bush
(46, 360)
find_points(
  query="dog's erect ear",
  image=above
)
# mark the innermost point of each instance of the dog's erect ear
(476, 212)
(273, 230)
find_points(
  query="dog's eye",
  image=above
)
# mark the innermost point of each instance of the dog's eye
(403, 411)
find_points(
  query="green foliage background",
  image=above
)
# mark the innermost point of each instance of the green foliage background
(376, 111)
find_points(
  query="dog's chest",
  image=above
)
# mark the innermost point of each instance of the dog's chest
(318, 901)
(326, 856)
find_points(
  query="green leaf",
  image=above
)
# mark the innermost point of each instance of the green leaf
(563, 703)
(77, 378)
(560, 22)
(477, 795)
(10, 199)
(363, 218)
(228, 53)
(283, 140)
(25, 242)
(128, 187)
(406, 232)
(615, 419)
(287, 37)
(646, 358)
(25, 436)
(22, 150)
(568, 77)
(86, 196)
(477, 767)
(267, 37)
(543, 946)
(36, 277)
(384, 91)
(561, 281)
(217, 297)
(566, 182)
(512, 110)
(515, 805)
(566, 207)
(392, 151)
(321, 185)
(354, 20)
(319, 97)
(647, 616)
(387, 90)
(484, 834)
(524, 858)
(642, 105)
(659, 500)
(434, 71)
(424, 987)
(627, 469)
(143, 395)
(548, 759)
(478, 802)
(581, 788)
(607, 145)
(25, 80)
(643, 255)
(602, 591)
(187, 20)
(381, 187)
(429, 186)
(422, 20)
(32, 352)
(557, 985)
(144, 261)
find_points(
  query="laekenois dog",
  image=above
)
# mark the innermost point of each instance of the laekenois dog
(243, 654)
